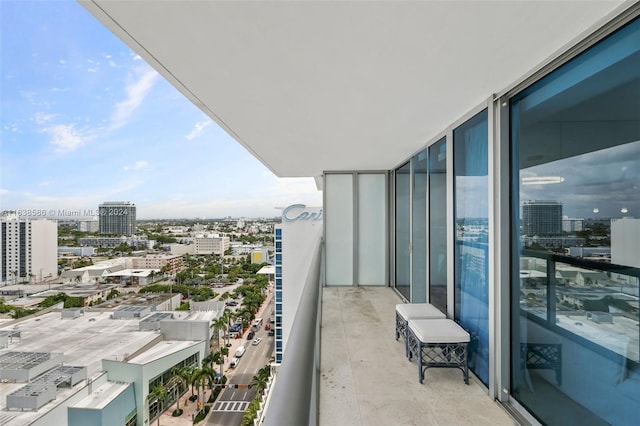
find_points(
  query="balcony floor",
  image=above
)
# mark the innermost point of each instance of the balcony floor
(365, 378)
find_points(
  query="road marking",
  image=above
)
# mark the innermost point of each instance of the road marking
(231, 406)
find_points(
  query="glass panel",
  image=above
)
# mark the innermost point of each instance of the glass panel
(471, 293)
(403, 229)
(438, 225)
(372, 220)
(338, 221)
(419, 232)
(576, 238)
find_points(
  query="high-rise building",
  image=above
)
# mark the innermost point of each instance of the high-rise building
(29, 249)
(295, 241)
(117, 217)
(541, 218)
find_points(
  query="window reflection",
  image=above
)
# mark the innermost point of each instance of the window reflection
(576, 211)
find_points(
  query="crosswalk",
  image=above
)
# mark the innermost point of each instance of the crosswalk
(236, 406)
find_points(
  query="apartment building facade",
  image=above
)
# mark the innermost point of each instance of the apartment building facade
(172, 262)
(29, 249)
(117, 218)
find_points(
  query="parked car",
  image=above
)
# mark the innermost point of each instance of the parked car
(267, 326)
(257, 341)
(272, 332)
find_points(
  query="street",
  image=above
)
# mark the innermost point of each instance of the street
(229, 408)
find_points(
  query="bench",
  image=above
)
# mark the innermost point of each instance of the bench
(410, 311)
(438, 343)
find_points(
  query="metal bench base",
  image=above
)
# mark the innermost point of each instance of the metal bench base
(438, 355)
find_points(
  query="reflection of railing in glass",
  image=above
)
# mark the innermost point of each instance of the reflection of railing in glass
(592, 303)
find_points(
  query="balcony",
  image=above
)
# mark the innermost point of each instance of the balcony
(365, 378)
(342, 365)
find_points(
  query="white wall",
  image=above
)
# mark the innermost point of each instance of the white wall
(299, 240)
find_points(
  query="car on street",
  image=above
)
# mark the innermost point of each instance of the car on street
(267, 326)
(272, 332)
(256, 341)
(250, 335)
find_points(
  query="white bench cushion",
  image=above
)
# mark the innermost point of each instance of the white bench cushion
(438, 331)
(410, 311)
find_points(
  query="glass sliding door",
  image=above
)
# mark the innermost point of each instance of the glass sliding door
(419, 231)
(471, 192)
(438, 225)
(575, 238)
(403, 230)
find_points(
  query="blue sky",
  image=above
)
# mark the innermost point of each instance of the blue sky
(85, 120)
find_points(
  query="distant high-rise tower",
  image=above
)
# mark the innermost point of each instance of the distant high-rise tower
(541, 218)
(29, 249)
(117, 217)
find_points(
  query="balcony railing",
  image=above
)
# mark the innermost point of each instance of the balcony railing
(295, 394)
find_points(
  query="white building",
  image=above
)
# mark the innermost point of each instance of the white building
(572, 224)
(158, 261)
(29, 249)
(211, 245)
(180, 249)
(295, 240)
(92, 225)
(625, 242)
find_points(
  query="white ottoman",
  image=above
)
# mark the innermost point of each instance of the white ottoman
(438, 343)
(409, 311)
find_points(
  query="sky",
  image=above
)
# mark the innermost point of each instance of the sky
(84, 120)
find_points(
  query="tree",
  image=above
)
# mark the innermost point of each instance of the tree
(220, 325)
(158, 395)
(259, 381)
(179, 379)
(201, 377)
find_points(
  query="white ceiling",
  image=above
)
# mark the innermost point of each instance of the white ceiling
(309, 87)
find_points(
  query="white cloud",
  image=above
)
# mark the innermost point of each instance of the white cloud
(95, 69)
(136, 92)
(197, 129)
(4, 191)
(62, 62)
(41, 118)
(138, 165)
(65, 137)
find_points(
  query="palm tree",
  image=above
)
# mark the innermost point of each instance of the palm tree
(220, 324)
(218, 358)
(259, 381)
(180, 378)
(203, 376)
(209, 359)
(158, 394)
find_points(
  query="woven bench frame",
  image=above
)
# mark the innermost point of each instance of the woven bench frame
(438, 355)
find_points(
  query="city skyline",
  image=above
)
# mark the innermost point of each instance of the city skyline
(85, 119)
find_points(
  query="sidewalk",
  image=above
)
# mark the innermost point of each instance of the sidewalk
(190, 409)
